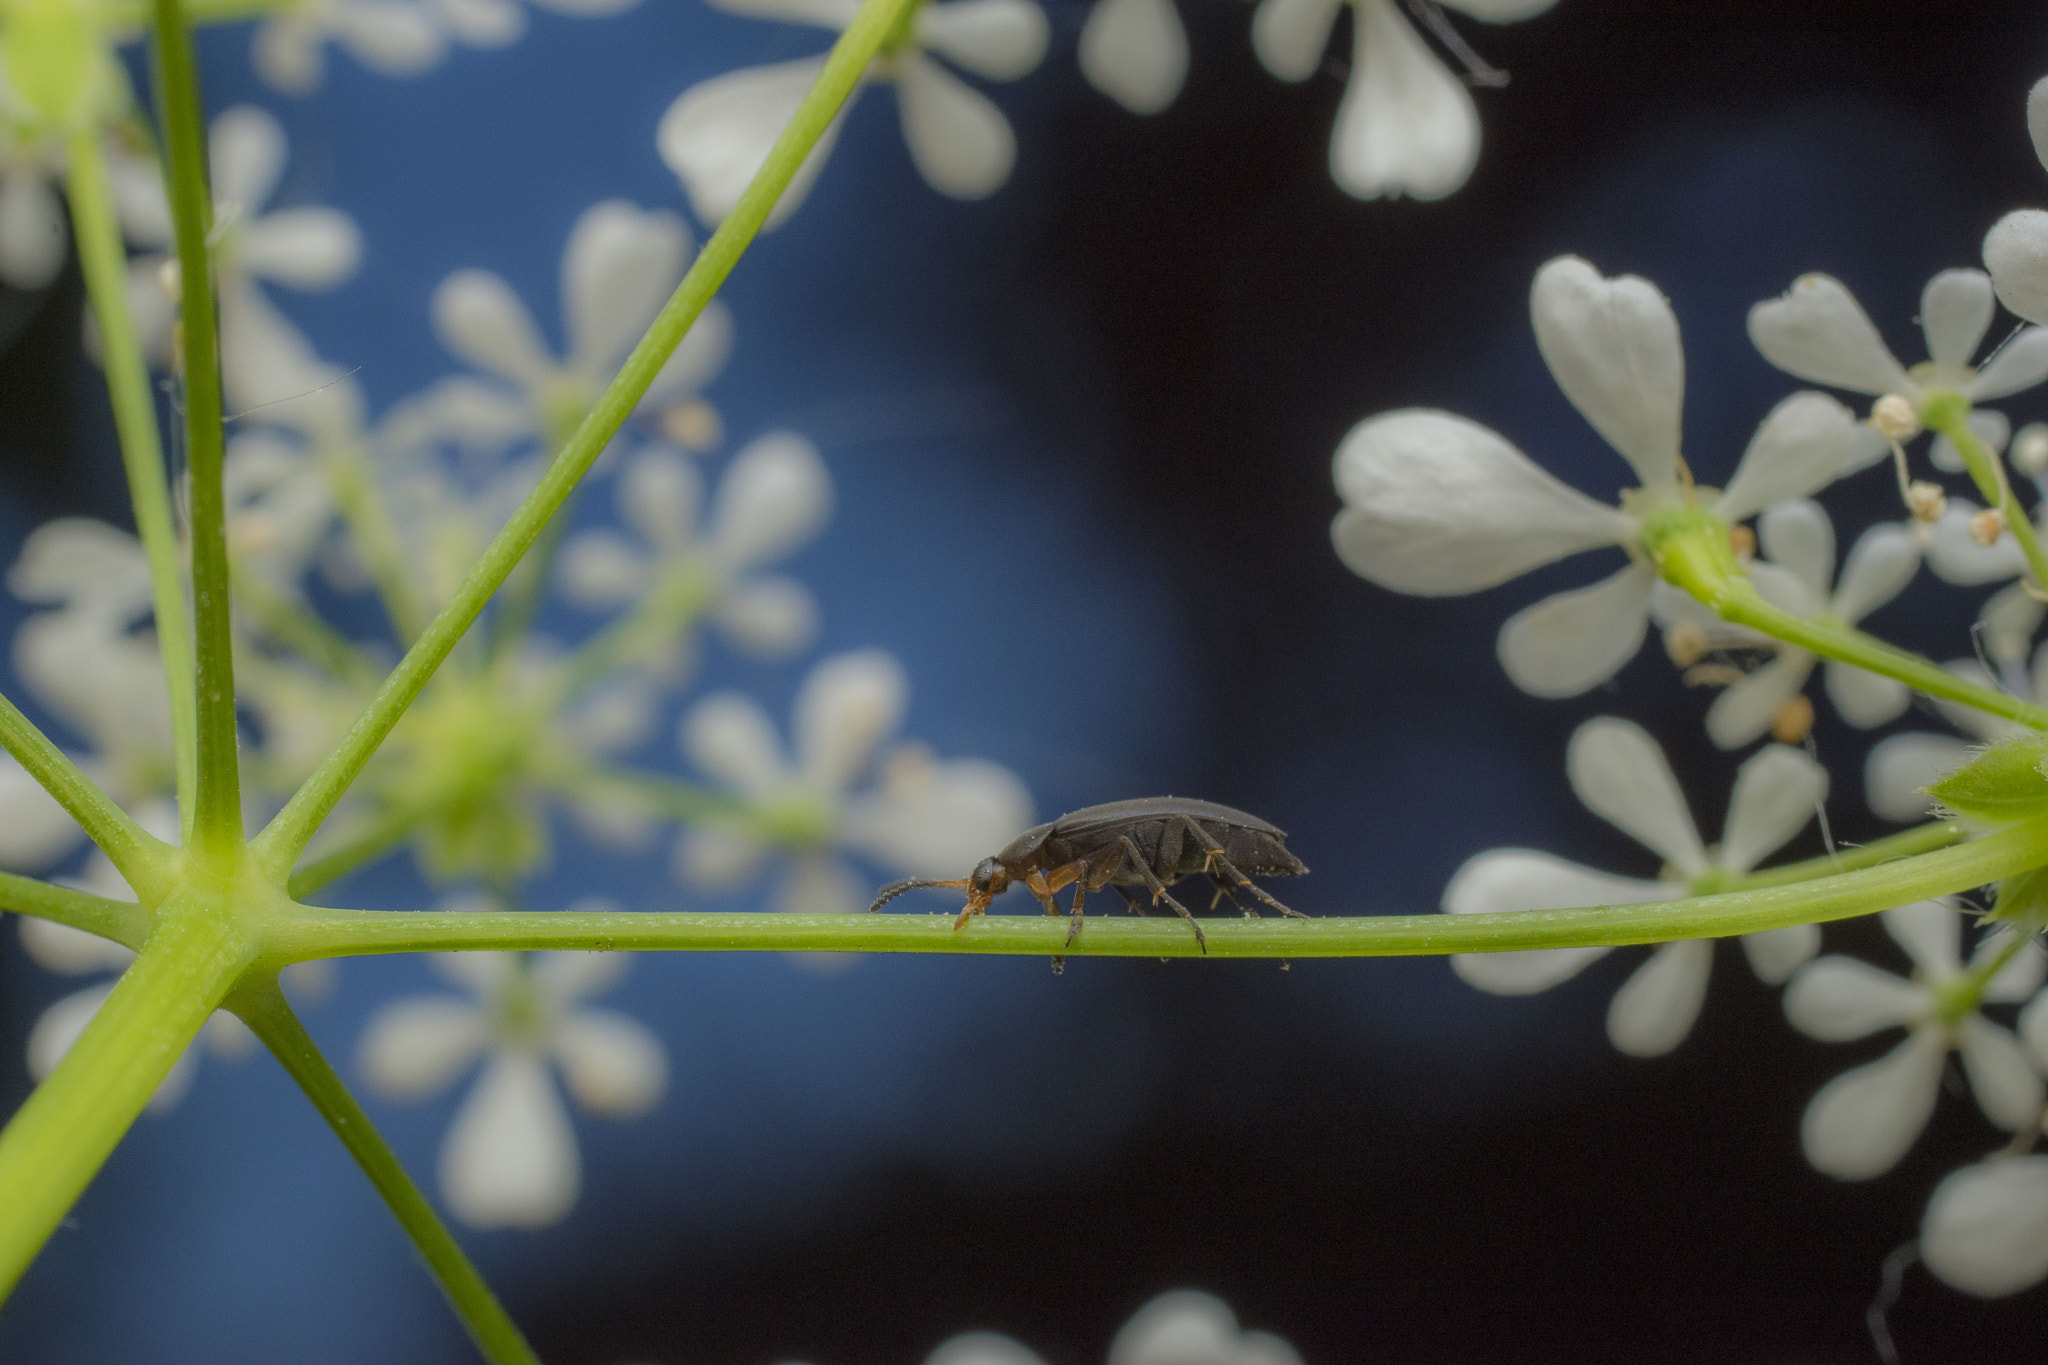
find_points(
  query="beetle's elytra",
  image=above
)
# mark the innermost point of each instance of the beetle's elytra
(1153, 842)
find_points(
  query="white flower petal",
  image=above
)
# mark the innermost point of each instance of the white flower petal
(1956, 557)
(286, 53)
(823, 13)
(819, 884)
(1290, 36)
(1836, 999)
(1798, 536)
(1865, 699)
(1655, 1008)
(1900, 766)
(1001, 40)
(482, 23)
(1881, 563)
(68, 951)
(982, 1348)
(482, 974)
(937, 819)
(1572, 641)
(1986, 1230)
(848, 705)
(32, 234)
(1434, 504)
(1931, 933)
(1986, 424)
(414, 1048)
(617, 271)
(718, 859)
(59, 1025)
(1861, 1122)
(1777, 790)
(1135, 52)
(509, 1159)
(961, 143)
(1500, 11)
(390, 38)
(2022, 974)
(2011, 618)
(769, 618)
(2016, 254)
(599, 569)
(659, 495)
(729, 736)
(1817, 331)
(718, 132)
(775, 496)
(2007, 1087)
(478, 317)
(566, 977)
(306, 248)
(246, 155)
(1524, 879)
(1955, 312)
(1187, 1327)
(1619, 772)
(2033, 1028)
(1745, 710)
(2019, 364)
(1613, 346)
(1774, 954)
(1807, 442)
(34, 830)
(613, 1065)
(1407, 125)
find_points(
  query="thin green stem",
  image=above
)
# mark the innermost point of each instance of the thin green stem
(299, 627)
(370, 528)
(139, 856)
(314, 933)
(58, 1140)
(1949, 414)
(525, 588)
(656, 793)
(280, 843)
(104, 258)
(217, 817)
(376, 838)
(682, 595)
(124, 922)
(1923, 839)
(1697, 559)
(262, 1007)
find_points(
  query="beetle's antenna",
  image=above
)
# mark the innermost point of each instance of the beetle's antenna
(895, 889)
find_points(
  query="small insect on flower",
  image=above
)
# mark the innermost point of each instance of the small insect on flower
(1153, 841)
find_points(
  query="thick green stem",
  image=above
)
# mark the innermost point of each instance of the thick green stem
(217, 807)
(124, 922)
(263, 1008)
(104, 259)
(57, 1141)
(1949, 414)
(337, 933)
(1697, 560)
(280, 843)
(139, 856)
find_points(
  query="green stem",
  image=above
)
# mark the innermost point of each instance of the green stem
(1949, 414)
(337, 933)
(124, 922)
(103, 257)
(217, 818)
(1699, 561)
(1922, 839)
(301, 629)
(263, 1008)
(280, 843)
(57, 1141)
(525, 588)
(376, 539)
(139, 856)
(375, 839)
(656, 793)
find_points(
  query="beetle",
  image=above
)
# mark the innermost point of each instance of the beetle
(1152, 841)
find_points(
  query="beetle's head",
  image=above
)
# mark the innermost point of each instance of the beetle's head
(988, 880)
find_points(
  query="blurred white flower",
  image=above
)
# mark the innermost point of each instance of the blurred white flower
(510, 1157)
(1407, 124)
(1621, 775)
(34, 236)
(619, 268)
(718, 132)
(1135, 52)
(1899, 766)
(1799, 540)
(775, 497)
(923, 816)
(2016, 248)
(390, 37)
(496, 23)
(1862, 1122)
(1188, 1327)
(1437, 505)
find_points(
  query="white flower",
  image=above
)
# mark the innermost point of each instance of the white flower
(391, 37)
(2016, 248)
(1438, 505)
(774, 498)
(1188, 1327)
(1862, 1122)
(1899, 766)
(982, 1348)
(1407, 124)
(718, 132)
(1135, 52)
(1800, 542)
(619, 268)
(496, 23)
(1621, 775)
(510, 1157)
(925, 816)
(33, 232)
(309, 248)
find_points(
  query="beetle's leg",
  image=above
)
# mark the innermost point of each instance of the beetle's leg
(1223, 893)
(1092, 875)
(1042, 887)
(1130, 899)
(1167, 855)
(1159, 892)
(1215, 861)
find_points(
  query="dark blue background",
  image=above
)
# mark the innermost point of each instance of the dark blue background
(1081, 436)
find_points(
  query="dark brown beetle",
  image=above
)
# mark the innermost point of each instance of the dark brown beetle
(1152, 842)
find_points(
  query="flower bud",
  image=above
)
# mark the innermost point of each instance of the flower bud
(2029, 454)
(1793, 722)
(1926, 500)
(693, 424)
(1894, 417)
(1687, 644)
(1987, 526)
